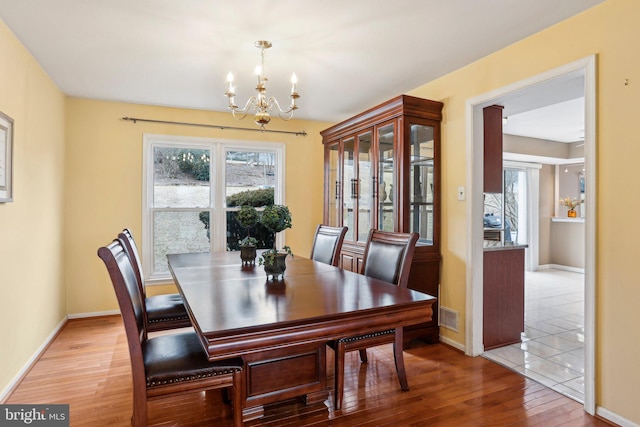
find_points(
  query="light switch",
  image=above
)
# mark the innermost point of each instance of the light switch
(461, 194)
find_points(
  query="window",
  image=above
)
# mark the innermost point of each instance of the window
(192, 188)
(514, 204)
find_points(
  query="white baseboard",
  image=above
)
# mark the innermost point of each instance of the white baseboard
(27, 366)
(452, 343)
(93, 314)
(614, 418)
(560, 267)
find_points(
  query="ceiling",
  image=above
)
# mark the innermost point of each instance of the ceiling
(561, 122)
(553, 110)
(348, 55)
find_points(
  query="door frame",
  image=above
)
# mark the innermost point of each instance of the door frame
(474, 179)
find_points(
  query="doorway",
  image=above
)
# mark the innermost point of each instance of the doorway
(552, 352)
(474, 345)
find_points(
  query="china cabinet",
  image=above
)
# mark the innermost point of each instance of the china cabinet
(382, 170)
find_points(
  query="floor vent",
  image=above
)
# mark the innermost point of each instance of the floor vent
(449, 318)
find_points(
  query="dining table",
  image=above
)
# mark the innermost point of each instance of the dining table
(281, 328)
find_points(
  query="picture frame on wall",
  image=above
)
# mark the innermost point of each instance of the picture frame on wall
(6, 158)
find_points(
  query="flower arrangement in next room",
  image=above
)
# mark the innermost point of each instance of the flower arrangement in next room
(570, 203)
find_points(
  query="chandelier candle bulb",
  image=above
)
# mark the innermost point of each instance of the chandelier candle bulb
(230, 89)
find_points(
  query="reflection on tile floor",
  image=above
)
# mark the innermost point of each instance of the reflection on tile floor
(552, 348)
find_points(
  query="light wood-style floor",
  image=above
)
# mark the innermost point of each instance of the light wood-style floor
(87, 366)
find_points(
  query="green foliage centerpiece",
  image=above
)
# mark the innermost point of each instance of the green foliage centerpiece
(248, 217)
(275, 218)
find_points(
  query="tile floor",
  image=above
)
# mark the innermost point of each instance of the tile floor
(552, 348)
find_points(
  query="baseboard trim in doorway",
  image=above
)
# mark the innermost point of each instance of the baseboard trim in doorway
(452, 343)
(609, 416)
(560, 267)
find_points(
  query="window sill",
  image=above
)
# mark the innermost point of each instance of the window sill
(566, 219)
(159, 281)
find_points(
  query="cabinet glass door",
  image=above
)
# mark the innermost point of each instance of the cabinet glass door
(365, 181)
(386, 178)
(349, 187)
(421, 182)
(334, 185)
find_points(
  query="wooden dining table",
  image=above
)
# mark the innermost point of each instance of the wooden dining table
(280, 328)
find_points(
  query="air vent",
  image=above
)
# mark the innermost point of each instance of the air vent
(449, 318)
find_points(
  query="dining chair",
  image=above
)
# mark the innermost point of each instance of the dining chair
(168, 364)
(327, 243)
(163, 311)
(387, 256)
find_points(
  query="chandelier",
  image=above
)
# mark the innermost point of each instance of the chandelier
(260, 105)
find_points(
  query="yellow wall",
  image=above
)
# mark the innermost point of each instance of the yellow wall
(32, 301)
(104, 183)
(609, 30)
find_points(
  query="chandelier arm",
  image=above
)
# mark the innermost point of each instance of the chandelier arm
(242, 112)
(282, 113)
(238, 116)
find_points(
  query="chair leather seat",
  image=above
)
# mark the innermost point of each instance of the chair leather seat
(367, 336)
(165, 308)
(177, 358)
(333, 344)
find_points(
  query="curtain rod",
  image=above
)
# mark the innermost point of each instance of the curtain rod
(204, 125)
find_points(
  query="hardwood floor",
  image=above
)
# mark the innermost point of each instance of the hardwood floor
(87, 366)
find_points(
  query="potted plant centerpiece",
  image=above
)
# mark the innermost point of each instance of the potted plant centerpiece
(275, 218)
(248, 217)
